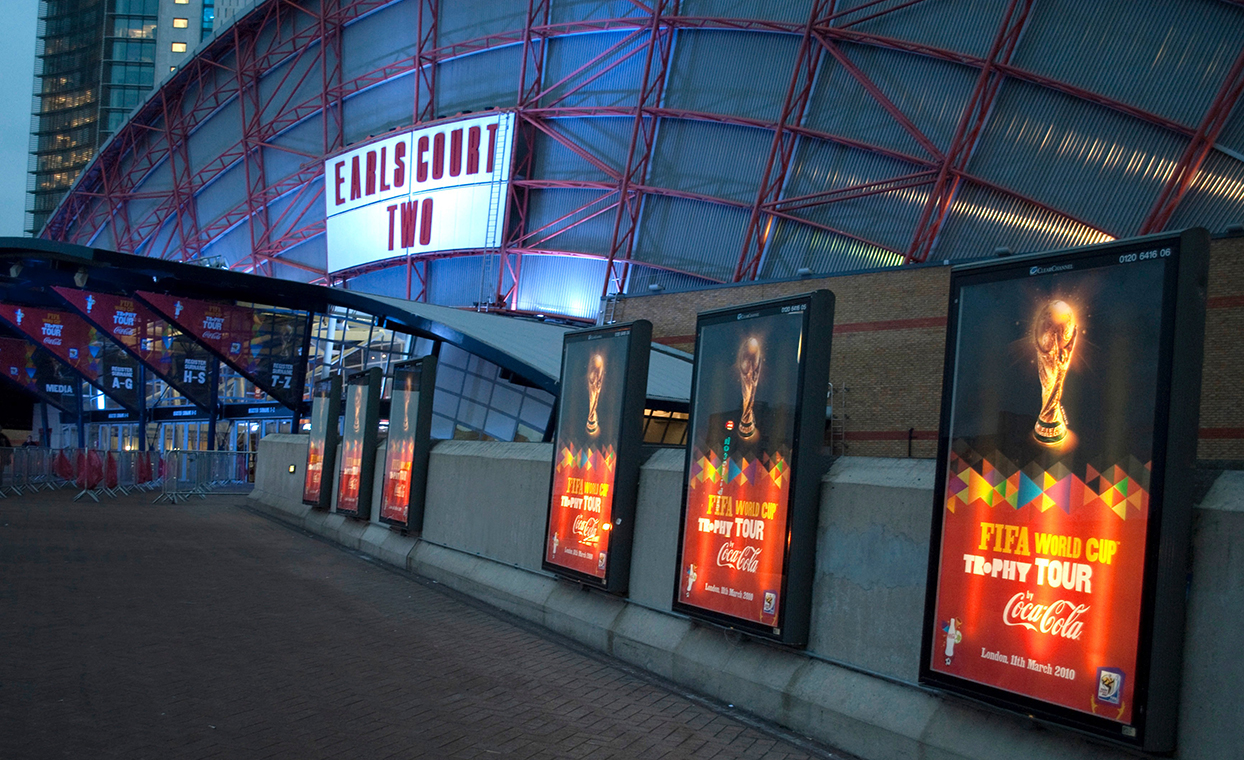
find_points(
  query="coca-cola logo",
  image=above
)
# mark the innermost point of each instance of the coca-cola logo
(746, 559)
(585, 526)
(1060, 618)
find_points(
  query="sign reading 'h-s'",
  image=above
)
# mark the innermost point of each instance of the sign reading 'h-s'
(436, 188)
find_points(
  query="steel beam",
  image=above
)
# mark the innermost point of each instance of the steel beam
(425, 61)
(1187, 169)
(782, 148)
(643, 137)
(975, 113)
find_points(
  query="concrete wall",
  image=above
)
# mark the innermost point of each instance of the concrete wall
(854, 687)
(890, 337)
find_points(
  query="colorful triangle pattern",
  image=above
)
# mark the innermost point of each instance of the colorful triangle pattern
(741, 471)
(984, 483)
(588, 459)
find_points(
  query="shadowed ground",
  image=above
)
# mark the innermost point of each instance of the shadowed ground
(204, 630)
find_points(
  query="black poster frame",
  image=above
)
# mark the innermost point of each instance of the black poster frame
(327, 391)
(630, 426)
(1161, 623)
(369, 438)
(417, 494)
(808, 465)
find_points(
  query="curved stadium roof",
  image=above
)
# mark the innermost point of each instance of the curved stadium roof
(694, 142)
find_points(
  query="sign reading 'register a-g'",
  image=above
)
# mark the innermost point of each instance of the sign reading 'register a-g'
(409, 444)
(440, 187)
(1062, 509)
(748, 530)
(596, 454)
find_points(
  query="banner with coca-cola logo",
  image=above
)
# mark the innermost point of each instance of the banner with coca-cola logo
(82, 347)
(264, 346)
(358, 444)
(38, 372)
(174, 357)
(747, 424)
(594, 375)
(1053, 435)
(409, 443)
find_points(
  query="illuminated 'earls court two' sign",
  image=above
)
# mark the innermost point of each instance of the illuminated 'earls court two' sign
(436, 188)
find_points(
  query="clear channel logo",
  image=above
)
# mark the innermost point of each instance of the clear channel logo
(1051, 269)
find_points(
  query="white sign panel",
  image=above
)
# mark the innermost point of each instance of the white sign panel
(436, 188)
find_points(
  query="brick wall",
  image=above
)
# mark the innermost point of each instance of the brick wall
(890, 337)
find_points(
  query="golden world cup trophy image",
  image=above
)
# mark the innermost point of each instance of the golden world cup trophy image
(748, 363)
(595, 381)
(1054, 333)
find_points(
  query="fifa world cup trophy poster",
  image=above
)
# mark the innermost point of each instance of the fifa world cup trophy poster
(322, 444)
(348, 494)
(1054, 432)
(400, 455)
(410, 432)
(586, 455)
(739, 484)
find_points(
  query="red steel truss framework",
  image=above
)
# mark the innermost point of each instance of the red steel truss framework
(290, 46)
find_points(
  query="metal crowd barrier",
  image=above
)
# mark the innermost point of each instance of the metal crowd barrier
(198, 473)
(28, 470)
(177, 474)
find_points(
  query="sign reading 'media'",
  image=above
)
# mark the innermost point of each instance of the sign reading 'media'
(436, 188)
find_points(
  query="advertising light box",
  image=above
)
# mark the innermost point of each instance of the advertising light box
(441, 187)
(317, 490)
(358, 444)
(409, 444)
(1061, 519)
(596, 451)
(747, 538)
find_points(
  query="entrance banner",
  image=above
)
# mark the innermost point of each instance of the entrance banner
(591, 511)
(409, 444)
(174, 357)
(747, 541)
(264, 346)
(82, 347)
(38, 372)
(1062, 508)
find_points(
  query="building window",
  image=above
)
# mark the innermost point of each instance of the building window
(182, 2)
(181, 23)
(179, 47)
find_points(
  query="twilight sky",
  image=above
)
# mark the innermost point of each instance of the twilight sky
(17, 64)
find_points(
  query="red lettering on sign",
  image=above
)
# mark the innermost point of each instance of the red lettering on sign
(473, 150)
(421, 174)
(438, 155)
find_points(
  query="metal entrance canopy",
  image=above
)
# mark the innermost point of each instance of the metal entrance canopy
(531, 350)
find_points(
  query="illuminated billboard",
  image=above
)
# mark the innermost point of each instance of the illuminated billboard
(317, 490)
(1062, 511)
(747, 537)
(596, 454)
(440, 187)
(409, 443)
(358, 444)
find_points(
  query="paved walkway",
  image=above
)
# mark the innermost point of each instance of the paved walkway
(205, 630)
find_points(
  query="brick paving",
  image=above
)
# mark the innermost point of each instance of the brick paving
(204, 630)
